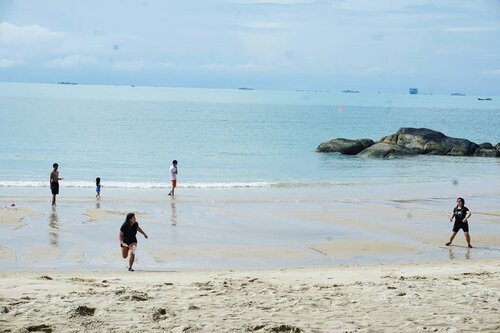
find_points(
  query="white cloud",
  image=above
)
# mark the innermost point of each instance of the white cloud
(73, 61)
(247, 67)
(368, 71)
(29, 34)
(284, 2)
(262, 25)
(470, 29)
(8, 63)
(492, 72)
(141, 65)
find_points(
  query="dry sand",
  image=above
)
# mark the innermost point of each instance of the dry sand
(445, 297)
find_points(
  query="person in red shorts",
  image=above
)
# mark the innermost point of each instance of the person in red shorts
(173, 176)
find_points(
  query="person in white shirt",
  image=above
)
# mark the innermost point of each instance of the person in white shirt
(173, 176)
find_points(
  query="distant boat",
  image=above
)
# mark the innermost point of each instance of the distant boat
(349, 91)
(484, 99)
(413, 91)
(245, 88)
(457, 94)
(64, 82)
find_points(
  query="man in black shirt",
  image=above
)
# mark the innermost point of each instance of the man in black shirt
(128, 239)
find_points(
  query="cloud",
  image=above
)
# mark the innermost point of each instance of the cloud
(73, 61)
(285, 2)
(470, 29)
(7, 63)
(28, 34)
(219, 67)
(495, 72)
(369, 71)
(262, 25)
(141, 65)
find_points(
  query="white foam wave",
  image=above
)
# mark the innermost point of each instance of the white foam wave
(135, 185)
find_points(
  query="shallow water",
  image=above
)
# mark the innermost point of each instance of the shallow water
(226, 138)
(249, 228)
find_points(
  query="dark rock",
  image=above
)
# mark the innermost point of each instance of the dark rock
(285, 329)
(427, 141)
(383, 149)
(344, 146)
(409, 141)
(486, 145)
(39, 328)
(83, 310)
(162, 314)
(484, 152)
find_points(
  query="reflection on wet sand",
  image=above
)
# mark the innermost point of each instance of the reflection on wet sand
(173, 217)
(54, 226)
(452, 256)
(98, 203)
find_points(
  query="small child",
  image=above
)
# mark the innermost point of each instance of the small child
(98, 187)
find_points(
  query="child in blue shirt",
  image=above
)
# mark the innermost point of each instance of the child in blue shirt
(98, 187)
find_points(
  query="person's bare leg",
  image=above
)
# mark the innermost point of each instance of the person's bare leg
(124, 252)
(131, 259)
(53, 199)
(467, 238)
(452, 237)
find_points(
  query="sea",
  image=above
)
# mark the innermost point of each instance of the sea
(227, 138)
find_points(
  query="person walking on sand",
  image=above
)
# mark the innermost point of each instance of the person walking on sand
(128, 239)
(461, 215)
(173, 176)
(98, 187)
(54, 182)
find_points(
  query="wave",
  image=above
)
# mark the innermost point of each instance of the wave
(134, 185)
(159, 185)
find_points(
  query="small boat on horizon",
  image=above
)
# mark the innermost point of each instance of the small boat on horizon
(484, 99)
(349, 91)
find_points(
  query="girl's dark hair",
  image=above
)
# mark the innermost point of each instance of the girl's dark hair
(461, 200)
(98, 180)
(129, 217)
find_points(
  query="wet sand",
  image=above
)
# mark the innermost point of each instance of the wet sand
(244, 228)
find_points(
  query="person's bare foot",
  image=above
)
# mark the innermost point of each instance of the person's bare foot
(448, 244)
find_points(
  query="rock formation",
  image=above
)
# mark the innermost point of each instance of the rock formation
(411, 141)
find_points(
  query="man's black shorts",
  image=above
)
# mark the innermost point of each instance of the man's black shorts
(460, 225)
(54, 187)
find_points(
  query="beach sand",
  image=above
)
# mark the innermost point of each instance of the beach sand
(444, 297)
(357, 259)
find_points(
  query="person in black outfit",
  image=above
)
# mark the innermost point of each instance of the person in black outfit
(54, 182)
(461, 215)
(128, 240)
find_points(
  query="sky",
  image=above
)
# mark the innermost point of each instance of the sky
(438, 46)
